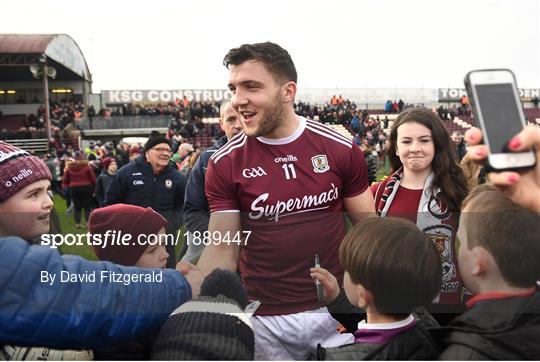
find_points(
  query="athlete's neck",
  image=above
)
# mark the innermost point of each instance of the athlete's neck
(288, 125)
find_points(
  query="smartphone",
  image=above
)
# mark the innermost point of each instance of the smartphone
(496, 106)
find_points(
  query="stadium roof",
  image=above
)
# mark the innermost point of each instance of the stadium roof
(18, 51)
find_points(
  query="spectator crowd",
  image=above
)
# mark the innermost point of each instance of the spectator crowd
(407, 290)
(65, 123)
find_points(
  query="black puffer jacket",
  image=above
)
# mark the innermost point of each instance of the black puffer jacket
(497, 329)
(414, 344)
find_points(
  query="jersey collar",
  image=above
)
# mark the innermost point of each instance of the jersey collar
(286, 140)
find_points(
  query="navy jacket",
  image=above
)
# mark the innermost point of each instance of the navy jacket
(136, 184)
(102, 184)
(196, 209)
(73, 315)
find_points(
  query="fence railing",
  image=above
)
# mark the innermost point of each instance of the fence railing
(37, 145)
(124, 122)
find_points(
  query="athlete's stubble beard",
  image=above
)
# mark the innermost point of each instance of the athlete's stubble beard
(271, 118)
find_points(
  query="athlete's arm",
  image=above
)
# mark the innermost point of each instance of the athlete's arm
(360, 207)
(221, 253)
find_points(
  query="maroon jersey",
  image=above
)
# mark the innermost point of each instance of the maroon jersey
(290, 195)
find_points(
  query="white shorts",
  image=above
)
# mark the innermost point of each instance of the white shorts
(295, 336)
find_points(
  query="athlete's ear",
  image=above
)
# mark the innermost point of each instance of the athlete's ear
(289, 92)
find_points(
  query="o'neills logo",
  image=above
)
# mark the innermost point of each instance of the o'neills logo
(288, 158)
(292, 206)
(25, 172)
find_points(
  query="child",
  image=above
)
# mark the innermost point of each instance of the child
(148, 251)
(145, 226)
(25, 210)
(25, 205)
(391, 268)
(499, 257)
(103, 180)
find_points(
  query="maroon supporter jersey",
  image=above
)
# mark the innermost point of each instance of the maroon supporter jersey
(290, 194)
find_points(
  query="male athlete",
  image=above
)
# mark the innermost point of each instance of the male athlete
(282, 186)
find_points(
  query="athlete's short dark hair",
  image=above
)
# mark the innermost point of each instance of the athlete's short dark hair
(276, 59)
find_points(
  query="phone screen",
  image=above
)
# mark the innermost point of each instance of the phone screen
(500, 114)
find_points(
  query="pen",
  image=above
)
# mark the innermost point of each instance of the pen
(317, 282)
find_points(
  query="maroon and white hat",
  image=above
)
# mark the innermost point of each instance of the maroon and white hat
(129, 219)
(19, 169)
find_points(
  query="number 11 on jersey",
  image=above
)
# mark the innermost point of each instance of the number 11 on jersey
(290, 172)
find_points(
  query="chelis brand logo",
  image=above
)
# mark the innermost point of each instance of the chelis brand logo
(168, 184)
(22, 174)
(320, 163)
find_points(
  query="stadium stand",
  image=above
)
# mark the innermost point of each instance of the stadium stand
(36, 146)
(24, 59)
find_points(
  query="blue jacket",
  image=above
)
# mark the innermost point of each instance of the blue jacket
(136, 184)
(196, 209)
(73, 315)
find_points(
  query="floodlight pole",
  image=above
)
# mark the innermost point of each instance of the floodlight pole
(46, 101)
(43, 61)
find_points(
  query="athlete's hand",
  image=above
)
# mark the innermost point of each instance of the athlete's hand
(328, 281)
(193, 275)
(523, 188)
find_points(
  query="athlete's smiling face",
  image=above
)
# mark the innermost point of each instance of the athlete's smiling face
(258, 97)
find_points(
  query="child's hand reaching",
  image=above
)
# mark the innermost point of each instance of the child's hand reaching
(328, 281)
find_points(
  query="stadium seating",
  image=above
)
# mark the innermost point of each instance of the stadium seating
(12, 122)
(341, 130)
(125, 122)
(37, 146)
(533, 115)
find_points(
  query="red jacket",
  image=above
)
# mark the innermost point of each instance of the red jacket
(79, 173)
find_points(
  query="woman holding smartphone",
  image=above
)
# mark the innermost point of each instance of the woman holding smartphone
(427, 186)
(522, 187)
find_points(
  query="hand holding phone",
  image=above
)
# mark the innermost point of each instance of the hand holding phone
(523, 188)
(498, 112)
